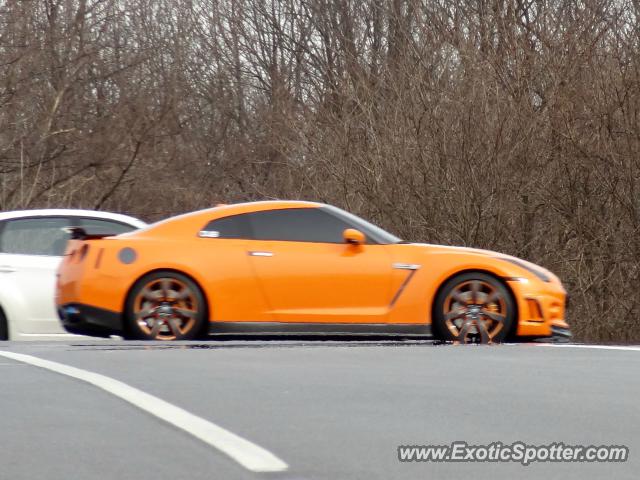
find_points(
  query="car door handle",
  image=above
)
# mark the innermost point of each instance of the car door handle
(261, 254)
(6, 269)
(406, 266)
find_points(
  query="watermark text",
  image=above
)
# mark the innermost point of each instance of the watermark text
(518, 452)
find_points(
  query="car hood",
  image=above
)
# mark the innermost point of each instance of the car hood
(450, 249)
(435, 249)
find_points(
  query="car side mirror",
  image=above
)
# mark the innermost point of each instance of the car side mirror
(354, 237)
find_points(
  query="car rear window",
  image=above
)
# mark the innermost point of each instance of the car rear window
(234, 226)
(99, 226)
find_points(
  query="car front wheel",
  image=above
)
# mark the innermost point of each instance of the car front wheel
(474, 307)
(4, 326)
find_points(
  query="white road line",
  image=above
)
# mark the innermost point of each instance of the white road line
(247, 454)
(594, 347)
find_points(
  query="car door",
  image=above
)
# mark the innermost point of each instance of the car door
(309, 274)
(30, 252)
(226, 268)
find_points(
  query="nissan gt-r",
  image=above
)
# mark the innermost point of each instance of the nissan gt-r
(297, 267)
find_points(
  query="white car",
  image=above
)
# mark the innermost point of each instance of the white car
(32, 243)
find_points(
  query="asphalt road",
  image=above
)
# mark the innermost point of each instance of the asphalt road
(330, 410)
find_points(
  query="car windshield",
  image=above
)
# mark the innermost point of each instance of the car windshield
(373, 231)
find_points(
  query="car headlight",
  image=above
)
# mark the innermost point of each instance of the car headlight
(537, 272)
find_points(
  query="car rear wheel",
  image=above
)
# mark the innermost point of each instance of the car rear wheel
(166, 305)
(474, 308)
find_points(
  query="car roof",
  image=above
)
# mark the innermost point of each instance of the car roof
(236, 208)
(186, 222)
(72, 212)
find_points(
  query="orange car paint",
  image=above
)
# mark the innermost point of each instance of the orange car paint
(300, 282)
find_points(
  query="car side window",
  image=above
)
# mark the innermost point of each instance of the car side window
(297, 225)
(100, 226)
(35, 236)
(234, 226)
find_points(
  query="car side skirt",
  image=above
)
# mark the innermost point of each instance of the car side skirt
(290, 328)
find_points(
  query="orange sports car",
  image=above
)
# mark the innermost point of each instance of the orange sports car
(297, 267)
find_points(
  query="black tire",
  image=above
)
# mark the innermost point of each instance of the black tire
(165, 305)
(4, 326)
(474, 307)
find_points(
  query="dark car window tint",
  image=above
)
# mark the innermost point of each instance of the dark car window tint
(374, 233)
(234, 226)
(297, 225)
(98, 226)
(35, 236)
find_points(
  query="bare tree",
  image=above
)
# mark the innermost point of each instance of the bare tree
(504, 124)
